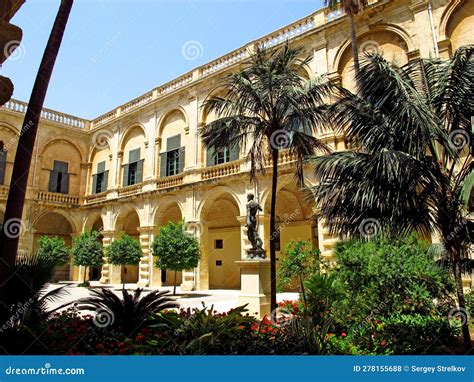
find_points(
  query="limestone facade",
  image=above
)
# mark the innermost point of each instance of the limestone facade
(142, 164)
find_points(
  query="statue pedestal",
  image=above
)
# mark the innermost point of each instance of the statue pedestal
(255, 286)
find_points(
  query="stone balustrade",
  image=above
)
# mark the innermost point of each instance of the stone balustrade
(130, 190)
(48, 114)
(170, 182)
(316, 20)
(96, 198)
(53, 197)
(219, 171)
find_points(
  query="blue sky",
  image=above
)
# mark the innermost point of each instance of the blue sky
(116, 50)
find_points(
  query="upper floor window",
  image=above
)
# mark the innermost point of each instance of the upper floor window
(133, 170)
(228, 154)
(172, 161)
(3, 163)
(59, 178)
(100, 179)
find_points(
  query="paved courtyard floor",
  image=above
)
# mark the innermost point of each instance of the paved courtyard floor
(221, 300)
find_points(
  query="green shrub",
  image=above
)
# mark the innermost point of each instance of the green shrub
(322, 294)
(301, 261)
(383, 277)
(124, 251)
(53, 249)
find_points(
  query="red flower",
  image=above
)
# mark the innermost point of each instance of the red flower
(122, 351)
(383, 343)
(139, 338)
(146, 330)
(100, 346)
(344, 335)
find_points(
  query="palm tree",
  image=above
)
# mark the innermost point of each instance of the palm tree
(269, 105)
(26, 142)
(352, 8)
(131, 312)
(410, 166)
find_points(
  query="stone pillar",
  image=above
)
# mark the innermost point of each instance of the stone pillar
(200, 275)
(146, 262)
(255, 286)
(111, 274)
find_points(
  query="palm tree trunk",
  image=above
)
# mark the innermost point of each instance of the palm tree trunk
(174, 286)
(273, 303)
(26, 142)
(355, 50)
(462, 302)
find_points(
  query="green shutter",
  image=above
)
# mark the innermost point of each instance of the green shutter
(210, 157)
(125, 175)
(60, 166)
(234, 152)
(65, 183)
(3, 165)
(100, 167)
(94, 184)
(133, 156)
(105, 181)
(139, 172)
(181, 157)
(53, 180)
(173, 143)
(163, 157)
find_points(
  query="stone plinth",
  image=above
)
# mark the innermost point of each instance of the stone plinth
(255, 286)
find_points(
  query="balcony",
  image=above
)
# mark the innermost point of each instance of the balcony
(130, 190)
(96, 198)
(170, 182)
(56, 198)
(221, 170)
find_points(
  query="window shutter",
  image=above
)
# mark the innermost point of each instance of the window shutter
(60, 166)
(173, 143)
(100, 167)
(125, 175)
(133, 156)
(53, 180)
(65, 184)
(94, 184)
(139, 172)
(181, 159)
(210, 157)
(3, 165)
(105, 181)
(234, 152)
(163, 163)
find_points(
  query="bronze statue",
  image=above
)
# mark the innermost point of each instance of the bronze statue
(252, 229)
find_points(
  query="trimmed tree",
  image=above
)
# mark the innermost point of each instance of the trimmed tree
(87, 251)
(124, 251)
(53, 250)
(176, 249)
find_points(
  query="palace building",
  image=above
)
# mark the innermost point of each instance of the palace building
(142, 164)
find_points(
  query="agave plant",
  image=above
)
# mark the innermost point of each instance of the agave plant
(129, 313)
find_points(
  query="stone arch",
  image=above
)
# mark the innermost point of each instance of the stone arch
(9, 135)
(128, 131)
(91, 222)
(56, 223)
(175, 117)
(392, 41)
(97, 155)
(168, 208)
(221, 243)
(457, 23)
(211, 195)
(64, 141)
